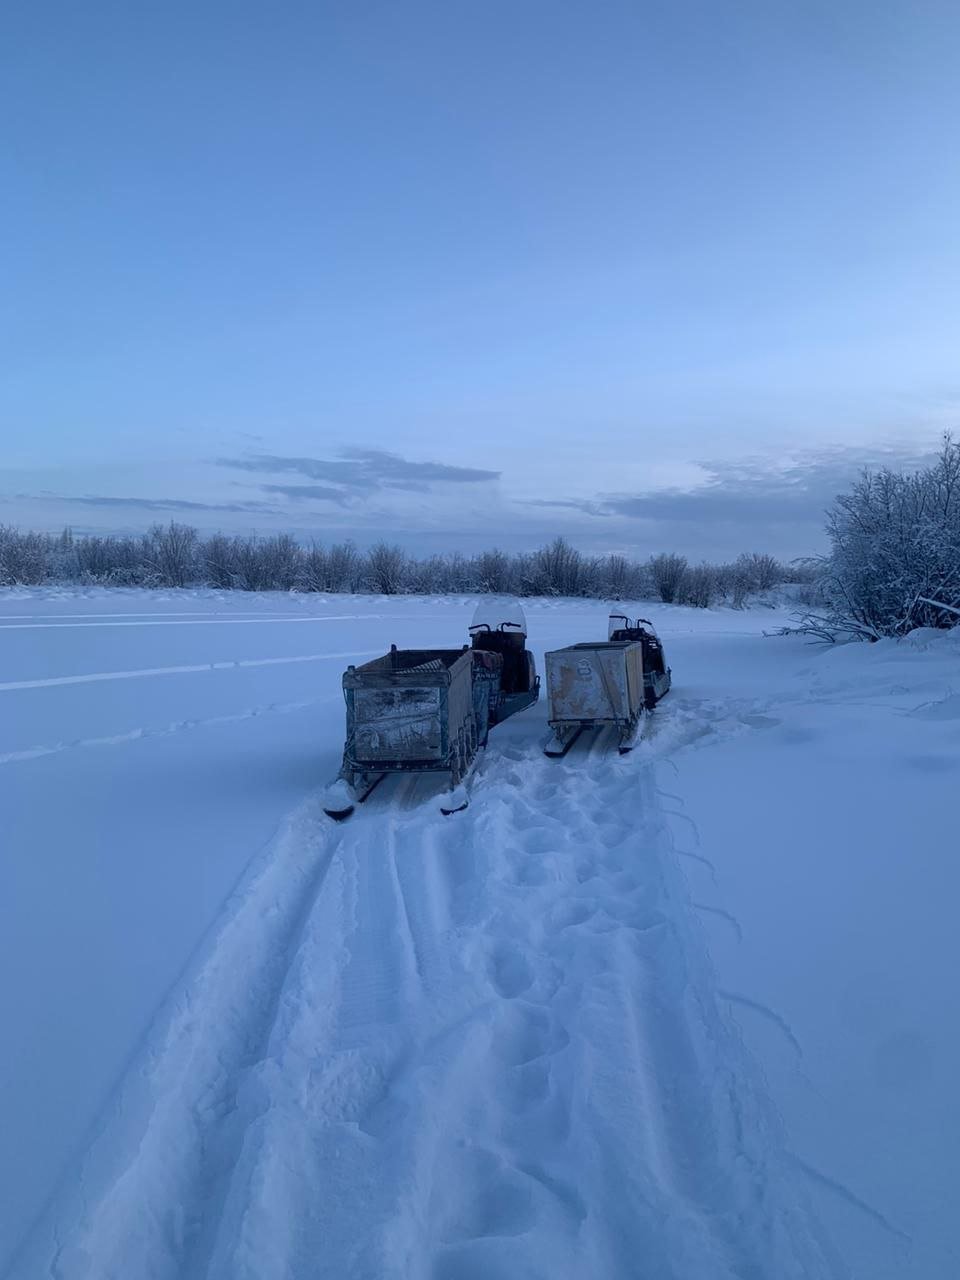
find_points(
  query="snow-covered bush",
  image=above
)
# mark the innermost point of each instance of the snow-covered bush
(22, 557)
(496, 572)
(764, 571)
(736, 581)
(668, 572)
(335, 568)
(220, 561)
(752, 574)
(559, 569)
(171, 552)
(615, 577)
(894, 562)
(386, 566)
(698, 586)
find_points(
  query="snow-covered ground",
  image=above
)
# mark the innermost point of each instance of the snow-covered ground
(689, 1013)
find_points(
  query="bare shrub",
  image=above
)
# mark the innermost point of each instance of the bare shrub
(668, 571)
(698, 587)
(170, 553)
(559, 569)
(496, 572)
(385, 568)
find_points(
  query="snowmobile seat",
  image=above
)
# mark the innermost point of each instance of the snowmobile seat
(652, 648)
(511, 645)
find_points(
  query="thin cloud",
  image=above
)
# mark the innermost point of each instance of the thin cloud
(359, 471)
(153, 504)
(304, 492)
(348, 474)
(390, 466)
(570, 504)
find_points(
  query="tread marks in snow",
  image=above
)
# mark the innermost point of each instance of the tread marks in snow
(191, 1096)
(490, 1047)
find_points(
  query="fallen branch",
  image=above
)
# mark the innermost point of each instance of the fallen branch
(938, 604)
(827, 629)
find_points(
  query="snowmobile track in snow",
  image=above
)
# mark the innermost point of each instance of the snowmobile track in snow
(446, 1048)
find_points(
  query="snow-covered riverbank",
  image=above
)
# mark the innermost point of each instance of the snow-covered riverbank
(689, 1010)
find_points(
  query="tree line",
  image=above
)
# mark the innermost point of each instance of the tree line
(893, 564)
(177, 555)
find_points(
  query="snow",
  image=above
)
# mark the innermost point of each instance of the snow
(688, 1012)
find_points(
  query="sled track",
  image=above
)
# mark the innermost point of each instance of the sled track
(489, 1045)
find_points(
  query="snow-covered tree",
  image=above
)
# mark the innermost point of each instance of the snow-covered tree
(23, 557)
(171, 553)
(668, 571)
(220, 561)
(559, 569)
(385, 568)
(895, 547)
(496, 572)
(698, 586)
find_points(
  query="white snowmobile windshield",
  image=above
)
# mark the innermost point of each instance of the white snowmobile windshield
(499, 615)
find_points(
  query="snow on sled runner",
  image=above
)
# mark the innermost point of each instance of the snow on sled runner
(430, 710)
(605, 683)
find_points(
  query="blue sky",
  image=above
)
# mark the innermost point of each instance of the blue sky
(647, 275)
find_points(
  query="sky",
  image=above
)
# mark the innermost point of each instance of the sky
(652, 276)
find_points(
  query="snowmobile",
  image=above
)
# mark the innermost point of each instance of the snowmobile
(431, 710)
(656, 674)
(598, 684)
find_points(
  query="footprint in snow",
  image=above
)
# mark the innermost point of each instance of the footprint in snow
(626, 882)
(524, 1033)
(612, 836)
(488, 1198)
(755, 720)
(526, 1087)
(586, 870)
(509, 972)
(568, 915)
(539, 840)
(530, 873)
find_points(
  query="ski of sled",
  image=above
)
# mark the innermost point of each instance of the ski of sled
(341, 801)
(557, 746)
(559, 743)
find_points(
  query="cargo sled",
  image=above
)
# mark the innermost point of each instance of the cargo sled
(431, 710)
(605, 684)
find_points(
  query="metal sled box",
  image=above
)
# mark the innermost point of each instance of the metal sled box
(596, 682)
(408, 707)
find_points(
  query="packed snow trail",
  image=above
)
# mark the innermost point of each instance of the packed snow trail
(488, 1045)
